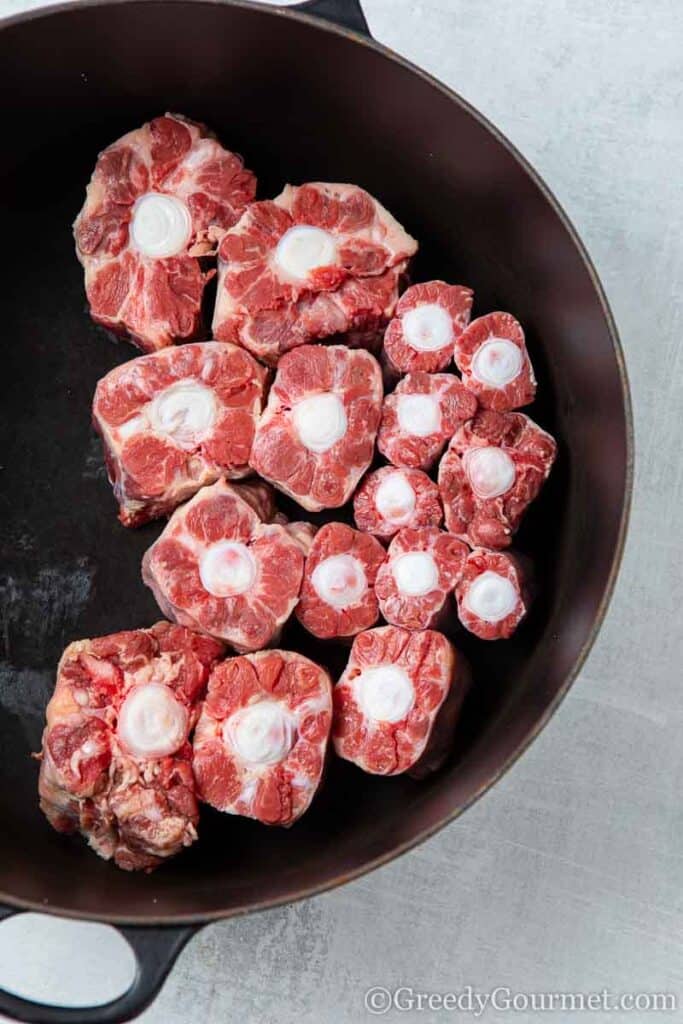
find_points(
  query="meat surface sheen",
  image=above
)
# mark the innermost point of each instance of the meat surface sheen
(260, 743)
(316, 436)
(397, 703)
(390, 499)
(160, 199)
(219, 568)
(319, 260)
(422, 567)
(116, 761)
(421, 416)
(495, 466)
(492, 357)
(175, 420)
(429, 318)
(492, 594)
(337, 594)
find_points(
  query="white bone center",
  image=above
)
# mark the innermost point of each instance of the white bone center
(496, 362)
(161, 226)
(152, 723)
(395, 498)
(320, 421)
(304, 248)
(491, 597)
(227, 568)
(384, 693)
(428, 328)
(261, 734)
(419, 415)
(490, 471)
(185, 411)
(416, 573)
(339, 581)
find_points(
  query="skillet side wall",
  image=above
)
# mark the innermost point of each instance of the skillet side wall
(301, 103)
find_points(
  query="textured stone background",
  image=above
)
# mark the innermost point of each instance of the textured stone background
(569, 874)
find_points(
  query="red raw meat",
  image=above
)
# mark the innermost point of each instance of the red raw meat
(428, 319)
(390, 499)
(319, 260)
(491, 594)
(422, 567)
(397, 703)
(261, 739)
(420, 416)
(494, 468)
(492, 358)
(176, 420)
(316, 436)
(217, 567)
(261, 497)
(337, 593)
(160, 198)
(116, 761)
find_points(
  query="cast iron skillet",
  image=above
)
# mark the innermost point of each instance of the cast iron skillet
(303, 100)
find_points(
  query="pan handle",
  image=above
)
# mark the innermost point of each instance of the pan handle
(344, 13)
(155, 952)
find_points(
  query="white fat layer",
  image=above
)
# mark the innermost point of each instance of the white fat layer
(161, 226)
(151, 721)
(339, 581)
(419, 415)
(416, 573)
(305, 248)
(497, 362)
(490, 471)
(320, 421)
(491, 597)
(202, 151)
(132, 426)
(428, 328)
(186, 412)
(395, 498)
(384, 693)
(227, 568)
(260, 734)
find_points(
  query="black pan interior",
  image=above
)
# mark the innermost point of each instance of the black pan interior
(301, 103)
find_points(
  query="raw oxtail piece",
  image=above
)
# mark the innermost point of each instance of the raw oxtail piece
(316, 436)
(420, 417)
(337, 594)
(428, 319)
(422, 567)
(398, 700)
(491, 594)
(116, 764)
(217, 567)
(160, 198)
(176, 420)
(320, 259)
(390, 499)
(493, 360)
(494, 468)
(261, 739)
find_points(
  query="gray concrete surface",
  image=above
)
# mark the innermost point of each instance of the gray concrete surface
(567, 877)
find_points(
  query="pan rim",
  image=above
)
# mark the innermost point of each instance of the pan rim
(197, 919)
